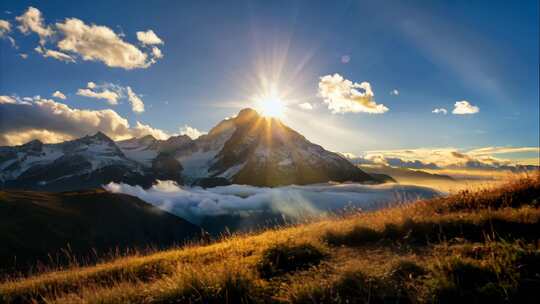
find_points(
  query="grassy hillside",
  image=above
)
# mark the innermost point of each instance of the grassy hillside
(54, 227)
(474, 246)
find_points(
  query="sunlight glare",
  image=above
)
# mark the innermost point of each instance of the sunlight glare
(271, 106)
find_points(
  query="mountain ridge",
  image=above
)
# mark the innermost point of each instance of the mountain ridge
(40, 226)
(246, 149)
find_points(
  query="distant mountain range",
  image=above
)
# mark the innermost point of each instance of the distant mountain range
(41, 226)
(247, 149)
(404, 174)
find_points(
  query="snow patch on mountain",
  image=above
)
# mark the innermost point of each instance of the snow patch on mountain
(140, 151)
(40, 164)
(229, 173)
(196, 165)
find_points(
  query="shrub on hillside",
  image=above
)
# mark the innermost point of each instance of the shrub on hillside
(357, 236)
(230, 287)
(351, 287)
(459, 280)
(406, 270)
(284, 258)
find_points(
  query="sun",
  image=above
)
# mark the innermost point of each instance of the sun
(271, 106)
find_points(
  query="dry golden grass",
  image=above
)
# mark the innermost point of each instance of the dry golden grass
(426, 251)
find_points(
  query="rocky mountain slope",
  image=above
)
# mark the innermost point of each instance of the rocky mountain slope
(247, 149)
(264, 152)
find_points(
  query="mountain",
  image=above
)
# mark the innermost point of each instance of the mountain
(255, 150)
(405, 174)
(87, 162)
(35, 224)
(247, 149)
(264, 152)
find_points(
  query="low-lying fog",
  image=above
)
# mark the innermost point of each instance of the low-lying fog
(196, 204)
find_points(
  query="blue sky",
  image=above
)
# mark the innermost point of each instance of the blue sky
(215, 54)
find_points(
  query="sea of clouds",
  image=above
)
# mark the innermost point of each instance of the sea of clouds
(194, 203)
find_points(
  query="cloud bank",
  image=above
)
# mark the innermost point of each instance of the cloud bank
(436, 158)
(293, 201)
(50, 121)
(343, 96)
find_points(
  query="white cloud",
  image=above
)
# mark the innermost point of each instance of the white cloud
(50, 121)
(156, 52)
(23, 55)
(7, 99)
(111, 96)
(348, 155)
(293, 201)
(59, 56)
(5, 27)
(193, 133)
(100, 43)
(394, 92)
(149, 37)
(503, 150)
(342, 96)
(112, 93)
(32, 21)
(137, 105)
(306, 106)
(54, 54)
(12, 41)
(464, 107)
(141, 130)
(440, 111)
(76, 39)
(59, 94)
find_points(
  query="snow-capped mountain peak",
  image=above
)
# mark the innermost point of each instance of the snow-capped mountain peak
(246, 149)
